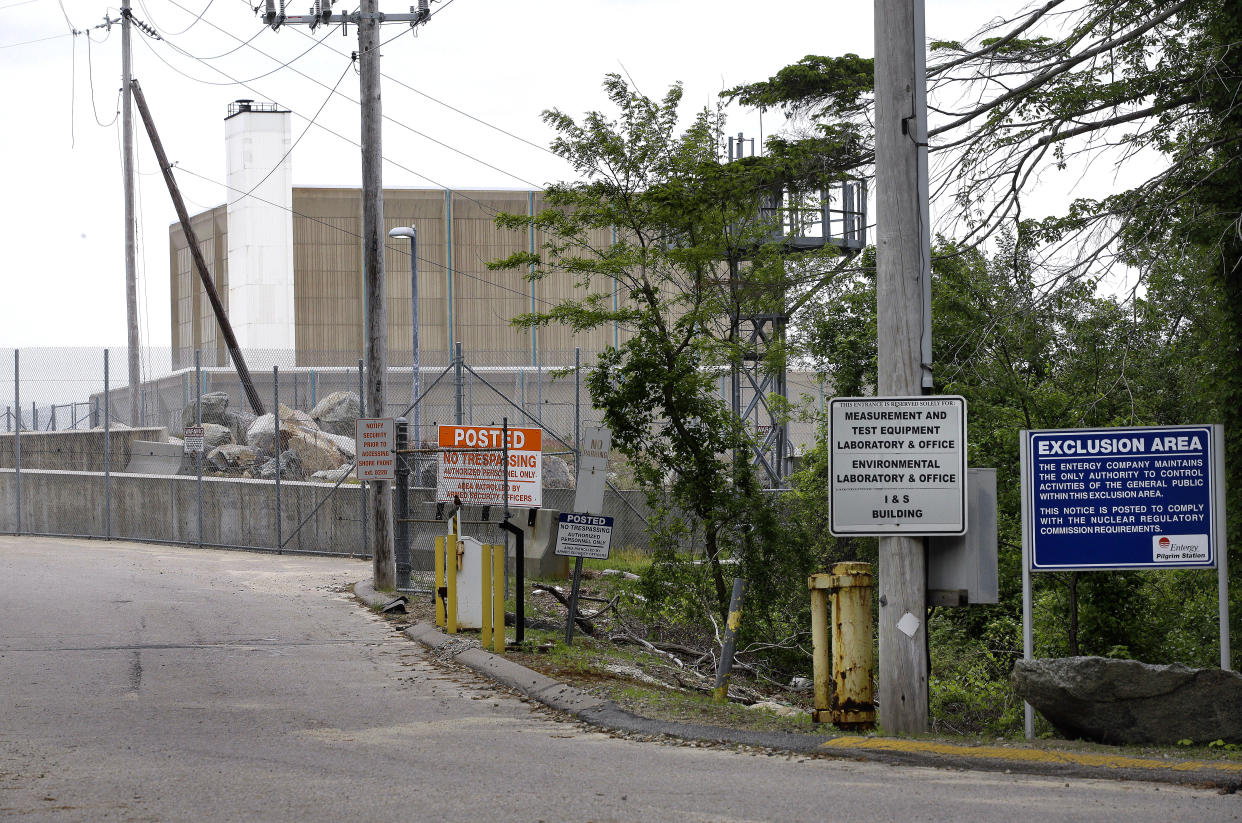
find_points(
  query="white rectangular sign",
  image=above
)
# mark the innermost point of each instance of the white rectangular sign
(470, 466)
(898, 465)
(194, 438)
(583, 535)
(376, 439)
(592, 471)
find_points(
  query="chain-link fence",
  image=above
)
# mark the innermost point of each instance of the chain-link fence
(83, 454)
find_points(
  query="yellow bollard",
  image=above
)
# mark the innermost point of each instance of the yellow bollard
(451, 571)
(818, 584)
(439, 562)
(850, 702)
(498, 598)
(485, 575)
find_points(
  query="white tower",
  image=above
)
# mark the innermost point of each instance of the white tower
(260, 227)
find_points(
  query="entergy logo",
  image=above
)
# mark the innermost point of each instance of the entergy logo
(1180, 548)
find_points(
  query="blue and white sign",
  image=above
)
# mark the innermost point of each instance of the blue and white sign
(1122, 498)
(579, 534)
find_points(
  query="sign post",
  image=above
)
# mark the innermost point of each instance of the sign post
(579, 534)
(1147, 497)
(898, 465)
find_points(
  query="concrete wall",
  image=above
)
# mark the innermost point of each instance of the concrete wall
(75, 450)
(241, 513)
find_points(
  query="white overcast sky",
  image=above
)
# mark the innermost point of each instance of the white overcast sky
(498, 60)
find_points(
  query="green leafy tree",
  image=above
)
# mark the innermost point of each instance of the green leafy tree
(658, 215)
(1152, 87)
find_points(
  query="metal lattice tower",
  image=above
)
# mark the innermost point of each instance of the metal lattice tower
(833, 216)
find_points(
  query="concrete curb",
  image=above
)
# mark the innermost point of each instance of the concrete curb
(608, 716)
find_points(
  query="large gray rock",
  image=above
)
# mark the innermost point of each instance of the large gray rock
(317, 450)
(231, 458)
(337, 413)
(333, 475)
(215, 410)
(239, 422)
(290, 467)
(1125, 701)
(262, 431)
(556, 473)
(215, 435)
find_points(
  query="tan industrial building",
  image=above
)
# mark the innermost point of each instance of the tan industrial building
(287, 263)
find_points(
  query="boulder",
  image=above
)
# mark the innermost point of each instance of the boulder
(215, 410)
(337, 413)
(215, 435)
(290, 467)
(332, 475)
(239, 422)
(346, 445)
(232, 458)
(556, 473)
(261, 432)
(1125, 701)
(316, 450)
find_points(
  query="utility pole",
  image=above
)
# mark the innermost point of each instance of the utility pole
(903, 306)
(368, 19)
(127, 163)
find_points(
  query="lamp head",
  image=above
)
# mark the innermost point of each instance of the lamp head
(403, 231)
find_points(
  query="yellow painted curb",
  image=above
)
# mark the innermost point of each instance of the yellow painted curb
(1108, 761)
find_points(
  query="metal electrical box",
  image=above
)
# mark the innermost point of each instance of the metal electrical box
(961, 570)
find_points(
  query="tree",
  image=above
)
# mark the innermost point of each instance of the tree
(682, 222)
(1153, 87)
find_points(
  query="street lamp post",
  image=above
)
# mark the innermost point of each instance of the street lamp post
(412, 233)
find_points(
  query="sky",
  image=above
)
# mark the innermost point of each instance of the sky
(498, 61)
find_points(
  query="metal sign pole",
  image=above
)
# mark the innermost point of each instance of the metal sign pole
(1028, 635)
(198, 421)
(1222, 546)
(280, 544)
(107, 453)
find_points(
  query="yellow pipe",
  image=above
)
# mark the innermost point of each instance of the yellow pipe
(498, 598)
(818, 584)
(452, 588)
(439, 562)
(853, 658)
(452, 550)
(485, 575)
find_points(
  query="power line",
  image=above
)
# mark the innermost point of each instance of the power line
(337, 134)
(232, 80)
(38, 40)
(294, 145)
(448, 106)
(198, 17)
(315, 80)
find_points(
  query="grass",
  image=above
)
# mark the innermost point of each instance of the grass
(625, 559)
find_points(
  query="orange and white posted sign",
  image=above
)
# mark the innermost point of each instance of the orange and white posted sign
(470, 466)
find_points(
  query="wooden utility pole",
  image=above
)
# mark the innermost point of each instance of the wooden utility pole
(383, 556)
(903, 311)
(368, 19)
(127, 169)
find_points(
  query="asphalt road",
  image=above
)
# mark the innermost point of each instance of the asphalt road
(157, 683)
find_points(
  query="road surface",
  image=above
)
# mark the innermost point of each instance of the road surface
(152, 683)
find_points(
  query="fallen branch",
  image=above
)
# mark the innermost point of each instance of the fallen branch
(583, 621)
(638, 641)
(611, 604)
